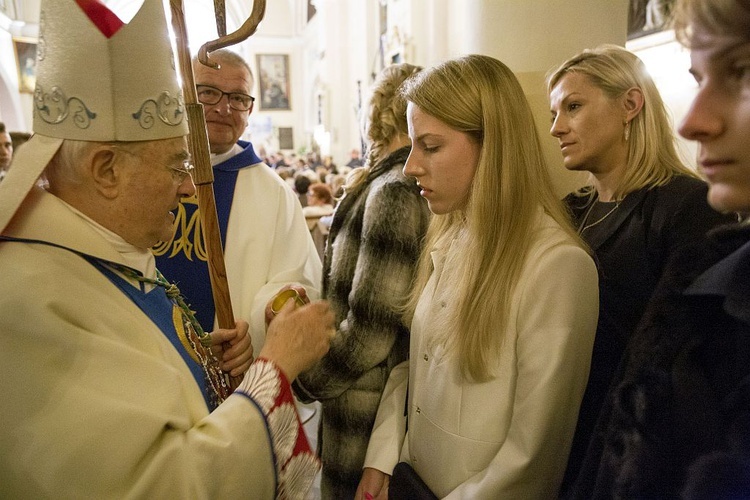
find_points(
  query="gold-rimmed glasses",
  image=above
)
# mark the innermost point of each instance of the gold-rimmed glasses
(179, 173)
(182, 172)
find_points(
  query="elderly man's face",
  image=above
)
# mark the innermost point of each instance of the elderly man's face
(6, 150)
(154, 182)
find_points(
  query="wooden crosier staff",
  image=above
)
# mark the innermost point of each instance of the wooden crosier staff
(203, 175)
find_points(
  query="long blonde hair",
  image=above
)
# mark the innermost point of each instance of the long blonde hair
(480, 96)
(385, 119)
(652, 155)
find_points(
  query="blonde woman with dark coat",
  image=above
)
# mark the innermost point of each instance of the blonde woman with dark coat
(640, 206)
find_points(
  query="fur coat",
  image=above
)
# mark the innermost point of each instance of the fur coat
(677, 425)
(370, 261)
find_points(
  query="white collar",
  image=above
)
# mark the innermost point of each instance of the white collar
(222, 157)
(134, 257)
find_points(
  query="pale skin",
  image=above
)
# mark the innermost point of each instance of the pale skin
(590, 128)
(719, 118)
(225, 125)
(444, 161)
(299, 337)
(373, 486)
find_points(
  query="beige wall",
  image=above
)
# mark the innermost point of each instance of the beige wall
(340, 47)
(530, 36)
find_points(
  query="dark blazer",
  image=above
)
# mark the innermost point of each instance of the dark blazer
(678, 422)
(631, 248)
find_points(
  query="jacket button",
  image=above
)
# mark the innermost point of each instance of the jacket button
(426, 357)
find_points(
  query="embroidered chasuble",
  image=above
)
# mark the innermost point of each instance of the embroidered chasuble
(296, 463)
(171, 321)
(183, 260)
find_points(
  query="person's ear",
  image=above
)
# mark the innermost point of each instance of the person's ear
(105, 168)
(633, 103)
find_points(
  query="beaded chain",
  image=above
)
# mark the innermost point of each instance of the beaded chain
(215, 377)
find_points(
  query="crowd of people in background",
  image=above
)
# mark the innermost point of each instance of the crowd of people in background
(496, 342)
(291, 167)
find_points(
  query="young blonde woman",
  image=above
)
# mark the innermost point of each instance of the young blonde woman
(370, 260)
(505, 304)
(641, 206)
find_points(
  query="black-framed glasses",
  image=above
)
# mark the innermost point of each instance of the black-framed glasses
(211, 95)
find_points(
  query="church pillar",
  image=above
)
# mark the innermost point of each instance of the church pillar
(530, 36)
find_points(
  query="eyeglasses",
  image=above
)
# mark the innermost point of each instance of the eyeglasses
(181, 173)
(212, 95)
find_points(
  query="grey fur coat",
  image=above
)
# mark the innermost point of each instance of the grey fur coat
(369, 265)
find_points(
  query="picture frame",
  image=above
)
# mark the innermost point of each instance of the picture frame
(646, 17)
(274, 82)
(25, 49)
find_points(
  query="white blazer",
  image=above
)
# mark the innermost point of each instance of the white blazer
(508, 437)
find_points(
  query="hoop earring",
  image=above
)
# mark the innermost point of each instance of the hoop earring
(627, 131)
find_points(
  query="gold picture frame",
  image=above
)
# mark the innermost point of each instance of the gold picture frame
(25, 49)
(646, 17)
(274, 82)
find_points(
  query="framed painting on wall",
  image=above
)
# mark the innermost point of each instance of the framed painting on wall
(273, 80)
(25, 49)
(648, 16)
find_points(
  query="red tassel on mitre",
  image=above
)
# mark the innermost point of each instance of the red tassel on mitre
(104, 19)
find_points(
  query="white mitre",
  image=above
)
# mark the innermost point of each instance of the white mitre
(91, 87)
